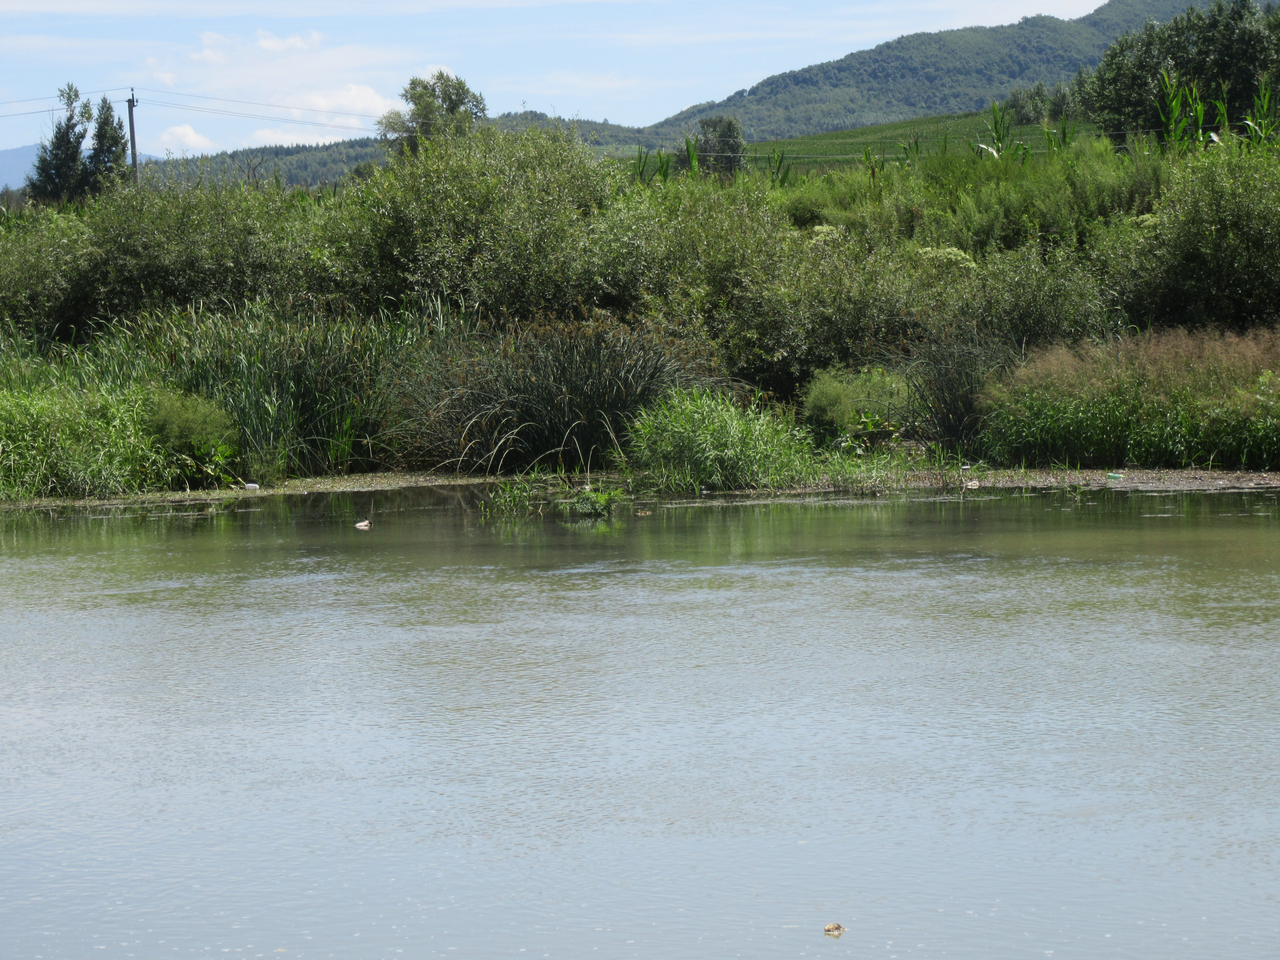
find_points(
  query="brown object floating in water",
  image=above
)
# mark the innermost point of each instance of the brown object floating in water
(833, 930)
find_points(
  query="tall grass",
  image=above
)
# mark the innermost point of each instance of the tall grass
(302, 389)
(702, 440)
(1172, 399)
(60, 442)
(554, 394)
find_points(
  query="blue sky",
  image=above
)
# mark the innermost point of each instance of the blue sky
(628, 61)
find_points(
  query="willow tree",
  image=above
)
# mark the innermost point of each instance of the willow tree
(441, 106)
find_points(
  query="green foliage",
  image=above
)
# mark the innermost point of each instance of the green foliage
(62, 173)
(700, 439)
(301, 388)
(717, 150)
(1043, 105)
(1207, 254)
(854, 407)
(595, 503)
(131, 250)
(59, 174)
(945, 378)
(1229, 47)
(550, 394)
(108, 160)
(442, 106)
(63, 442)
(498, 220)
(1166, 400)
(197, 432)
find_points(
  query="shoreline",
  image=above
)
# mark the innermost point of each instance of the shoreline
(942, 480)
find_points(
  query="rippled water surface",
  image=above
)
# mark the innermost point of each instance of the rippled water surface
(1021, 727)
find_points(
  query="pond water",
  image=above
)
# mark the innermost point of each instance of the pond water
(1028, 726)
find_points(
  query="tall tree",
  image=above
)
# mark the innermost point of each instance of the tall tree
(721, 147)
(441, 106)
(108, 157)
(59, 172)
(1226, 50)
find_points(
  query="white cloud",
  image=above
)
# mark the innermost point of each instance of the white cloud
(213, 48)
(183, 137)
(269, 41)
(353, 98)
(167, 77)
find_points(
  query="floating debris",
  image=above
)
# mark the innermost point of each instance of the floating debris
(833, 930)
(363, 524)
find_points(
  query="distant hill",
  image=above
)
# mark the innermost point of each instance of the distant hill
(920, 75)
(15, 164)
(300, 165)
(923, 74)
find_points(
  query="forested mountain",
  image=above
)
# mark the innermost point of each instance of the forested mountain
(923, 74)
(303, 165)
(926, 73)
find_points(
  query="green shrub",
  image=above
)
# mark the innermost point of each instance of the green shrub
(1208, 254)
(860, 406)
(701, 439)
(198, 433)
(61, 442)
(501, 221)
(66, 272)
(1161, 400)
(548, 393)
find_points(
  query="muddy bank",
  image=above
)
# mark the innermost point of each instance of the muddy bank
(885, 484)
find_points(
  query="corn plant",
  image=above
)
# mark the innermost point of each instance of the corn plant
(779, 169)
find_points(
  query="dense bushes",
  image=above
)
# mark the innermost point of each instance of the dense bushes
(63, 271)
(699, 439)
(501, 221)
(65, 442)
(1164, 400)
(1208, 254)
(394, 322)
(541, 394)
(783, 282)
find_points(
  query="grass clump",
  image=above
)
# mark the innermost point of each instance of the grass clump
(556, 394)
(63, 442)
(198, 433)
(696, 440)
(301, 387)
(854, 407)
(1165, 399)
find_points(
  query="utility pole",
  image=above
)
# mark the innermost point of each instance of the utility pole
(133, 138)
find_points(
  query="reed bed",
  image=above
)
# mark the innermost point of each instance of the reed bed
(551, 394)
(1163, 399)
(696, 441)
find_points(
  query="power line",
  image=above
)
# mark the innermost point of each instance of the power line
(88, 93)
(255, 116)
(256, 103)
